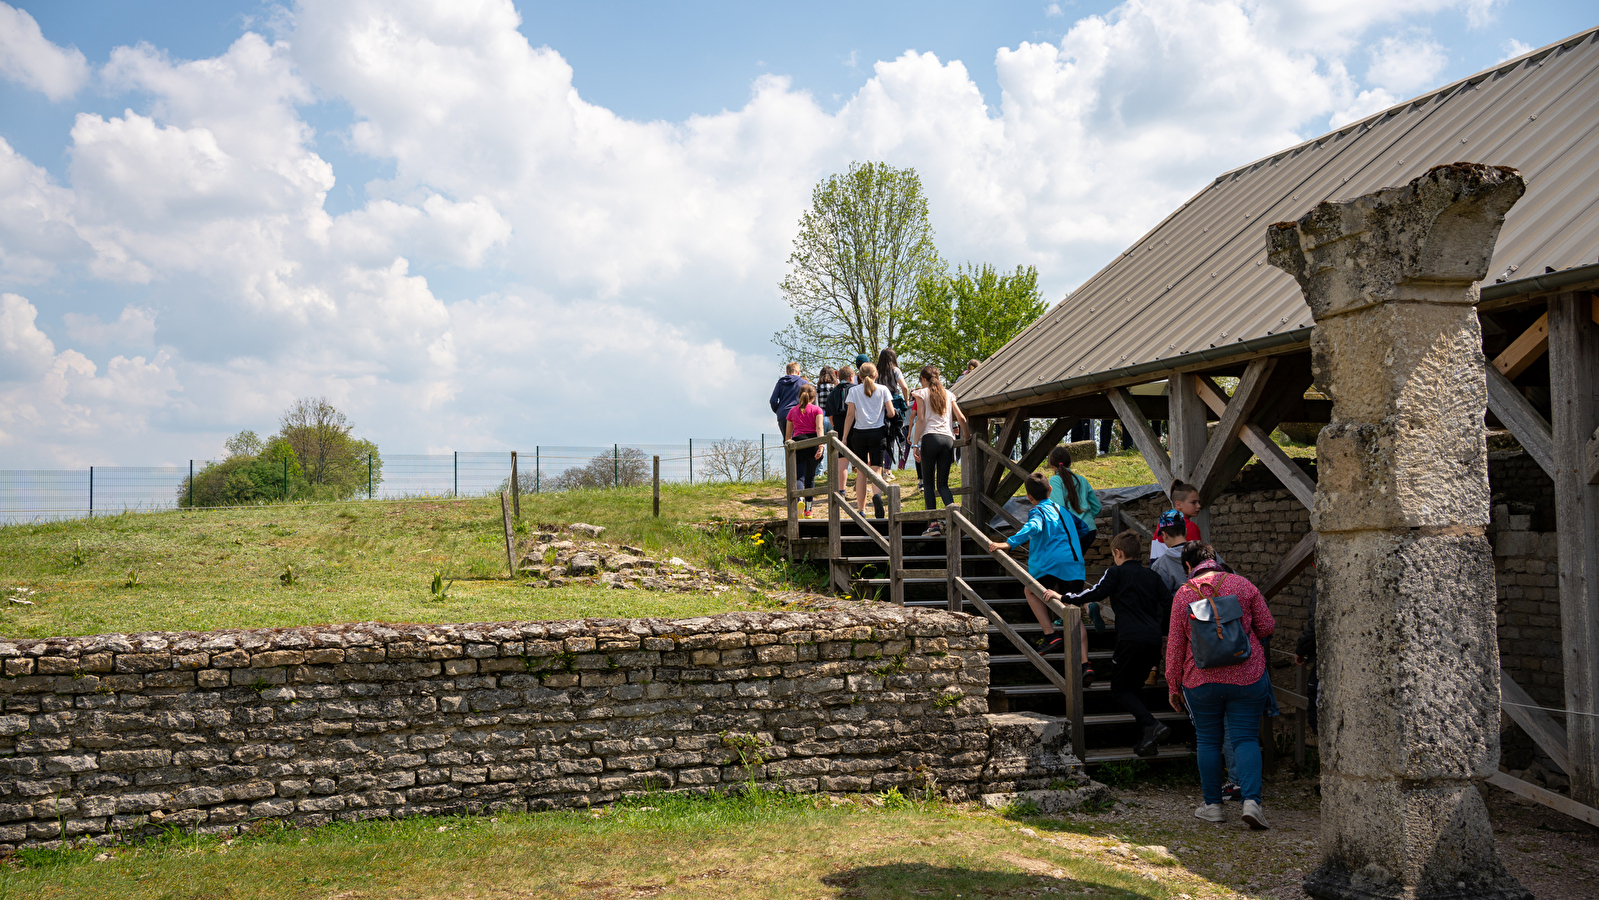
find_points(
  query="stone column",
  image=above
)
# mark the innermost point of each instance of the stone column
(1405, 581)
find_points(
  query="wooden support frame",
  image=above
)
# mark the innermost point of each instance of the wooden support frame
(1516, 413)
(1258, 439)
(1209, 470)
(1289, 567)
(1008, 435)
(1138, 429)
(1524, 350)
(1560, 802)
(1185, 427)
(1574, 393)
(1034, 457)
(1544, 731)
(1593, 458)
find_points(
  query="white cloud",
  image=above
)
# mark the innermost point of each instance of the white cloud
(135, 327)
(1514, 48)
(536, 268)
(1405, 65)
(28, 58)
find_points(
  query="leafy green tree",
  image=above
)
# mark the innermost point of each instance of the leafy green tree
(968, 316)
(862, 248)
(312, 458)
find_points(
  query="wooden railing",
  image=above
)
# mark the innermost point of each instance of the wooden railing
(892, 544)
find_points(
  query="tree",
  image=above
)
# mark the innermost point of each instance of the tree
(969, 316)
(626, 467)
(862, 248)
(319, 434)
(313, 457)
(732, 460)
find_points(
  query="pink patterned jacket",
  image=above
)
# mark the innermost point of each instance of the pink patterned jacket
(1258, 624)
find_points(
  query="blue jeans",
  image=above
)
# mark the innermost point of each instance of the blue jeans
(1232, 710)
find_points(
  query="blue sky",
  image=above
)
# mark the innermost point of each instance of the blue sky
(479, 226)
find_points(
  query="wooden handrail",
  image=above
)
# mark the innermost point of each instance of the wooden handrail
(1000, 510)
(1039, 662)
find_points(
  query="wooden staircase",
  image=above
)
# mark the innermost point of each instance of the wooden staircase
(894, 559)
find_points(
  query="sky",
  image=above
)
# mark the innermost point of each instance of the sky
(485, 225)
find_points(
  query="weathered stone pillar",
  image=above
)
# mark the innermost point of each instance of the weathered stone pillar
(1405, 581)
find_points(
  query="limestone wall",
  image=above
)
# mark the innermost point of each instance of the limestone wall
(115, 736)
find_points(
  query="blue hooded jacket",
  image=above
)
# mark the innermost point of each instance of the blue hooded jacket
(1053, 547)
(786, 395)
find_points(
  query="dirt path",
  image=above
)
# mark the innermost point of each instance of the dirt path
(1555, 857)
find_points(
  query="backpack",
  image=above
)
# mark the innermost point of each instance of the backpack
(838, 405)
(1216, 629)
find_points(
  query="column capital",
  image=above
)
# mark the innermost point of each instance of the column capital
(1430, 240)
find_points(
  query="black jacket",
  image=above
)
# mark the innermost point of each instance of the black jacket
(1140, 598)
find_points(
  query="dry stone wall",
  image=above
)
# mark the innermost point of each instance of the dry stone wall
(115, 736)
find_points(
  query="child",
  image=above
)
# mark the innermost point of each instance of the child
(1143, 610)
(1072, 492)
(1054, 557)
(1184, 499)
(1173, 533)
(805, 421)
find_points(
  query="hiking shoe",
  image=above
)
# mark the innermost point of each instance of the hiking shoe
(934, 530)
(1150, 744)
(1049, 643)
(1230, 791)
(1094, 617)
(1254, 817)
(877, 505)
(1211, 812)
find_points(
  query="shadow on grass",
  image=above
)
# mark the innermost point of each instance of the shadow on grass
(922, 880)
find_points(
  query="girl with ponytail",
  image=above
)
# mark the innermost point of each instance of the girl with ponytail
(933, 438)
(866, 433)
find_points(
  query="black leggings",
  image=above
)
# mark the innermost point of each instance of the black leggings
(805, 465)
(938, 451)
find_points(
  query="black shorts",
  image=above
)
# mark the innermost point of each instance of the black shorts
(870, 444)
(1060, 585)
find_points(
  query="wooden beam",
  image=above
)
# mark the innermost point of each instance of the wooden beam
(1289, 567)
(1544, 731)
(1138, 429)
(1234, 412)
(1186, 425)
(1593, 458)
(1574, 396)
(1524, 350)
(1008, 435)
(1286, 391)
(1550, 799)
(1034, 457)
(1516, 413)
(1292, 477)
(1134, 525)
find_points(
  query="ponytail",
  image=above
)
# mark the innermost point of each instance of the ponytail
(1060, 459)
(937, 397)
(869, 378)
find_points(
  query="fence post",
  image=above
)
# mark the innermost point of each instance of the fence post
(369, 485)
(535, 468)
(516, 490)
(763, 456)
(91, 492)
(616, 465)
(191, 484)
(657, 482)
(455, 490)
(690, 460)
(510, 538)
(285, 479)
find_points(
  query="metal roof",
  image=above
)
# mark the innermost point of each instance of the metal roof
(1198, 287)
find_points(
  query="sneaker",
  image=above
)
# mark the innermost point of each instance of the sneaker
(1230, 791)
(1094, 617)
(1211, 812)
(877, 505)
(1049, 643)
(1254, 817)
(806, 512)
(1154, 677)
(934, 530)
(1088, 674)
(1150, 744)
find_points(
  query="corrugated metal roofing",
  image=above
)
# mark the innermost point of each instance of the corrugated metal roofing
(1199, 282)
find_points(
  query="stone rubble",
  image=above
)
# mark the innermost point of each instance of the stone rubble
(552, 561)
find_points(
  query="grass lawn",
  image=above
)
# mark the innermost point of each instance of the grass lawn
(770, 847)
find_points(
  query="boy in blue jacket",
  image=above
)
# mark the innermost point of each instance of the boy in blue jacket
(1054, 558)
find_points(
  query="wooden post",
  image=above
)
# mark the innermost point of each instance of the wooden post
(1071, 643)
(1574, 395)
(790, 507)
(516, 490)
(896, 549)
(972, 464)
(655, 481)
(510, 536)
(952, 548)
(835, 537)
(1186, 440)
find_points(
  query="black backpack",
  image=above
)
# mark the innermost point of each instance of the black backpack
(838, 405)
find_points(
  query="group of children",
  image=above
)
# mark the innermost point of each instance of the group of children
(1058, 531)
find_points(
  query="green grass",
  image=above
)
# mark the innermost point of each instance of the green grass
(798, 846)
(364, 561)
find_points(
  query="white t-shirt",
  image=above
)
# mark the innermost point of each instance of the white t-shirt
(936, 423)
(869, 410)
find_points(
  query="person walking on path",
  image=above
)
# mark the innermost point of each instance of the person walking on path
(837, 408)
(786, 394)
(933, 436)
(893, 379)
(805, 421)
(866, 434)
(1220, 696)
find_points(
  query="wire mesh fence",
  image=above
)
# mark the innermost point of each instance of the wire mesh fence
(46, 495)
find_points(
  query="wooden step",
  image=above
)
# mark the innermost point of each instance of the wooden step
(1100, 686)
(1127, 718)
(1097, 755)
